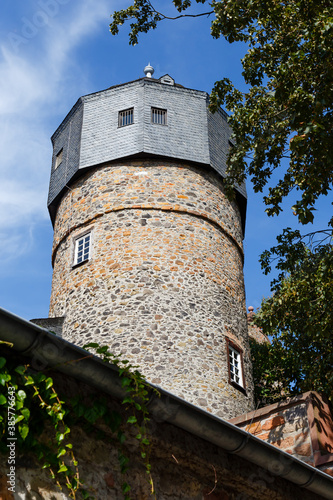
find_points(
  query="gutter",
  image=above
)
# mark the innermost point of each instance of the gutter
(47, 350)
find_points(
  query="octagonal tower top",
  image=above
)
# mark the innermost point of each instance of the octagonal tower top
(144, 118)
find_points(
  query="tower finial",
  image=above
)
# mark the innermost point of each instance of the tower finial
(148, 71)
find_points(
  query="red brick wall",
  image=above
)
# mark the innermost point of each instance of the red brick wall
(301, 426)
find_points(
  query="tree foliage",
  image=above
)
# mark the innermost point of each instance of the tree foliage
(298, 316)
(283, 124)
(287, 111)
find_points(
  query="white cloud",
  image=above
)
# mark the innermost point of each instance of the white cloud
(33, 90)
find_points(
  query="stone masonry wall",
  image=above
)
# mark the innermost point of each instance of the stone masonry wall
(165, 281)
(183, 466)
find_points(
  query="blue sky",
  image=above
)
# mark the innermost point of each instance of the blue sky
(51, 53)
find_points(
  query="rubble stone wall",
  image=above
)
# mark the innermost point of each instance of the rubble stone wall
(164, 284)
(183, 466)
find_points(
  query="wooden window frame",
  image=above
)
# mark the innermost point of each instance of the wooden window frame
(76, 249)
(58, 158)
(127, 116)
(235, 347)
(161, 114)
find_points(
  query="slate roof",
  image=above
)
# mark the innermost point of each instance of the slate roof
(89, 135)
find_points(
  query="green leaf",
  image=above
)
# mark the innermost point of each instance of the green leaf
(4, 377)
(23, 430)
(123, 460)
(2, 362)
(61, 452)
(63, 468)
(132, 420)
(29, 380)
(60, 437)
(121, 437)
(20, 369)
(125, 381)
(93, 345)
(103, 349)
(126, 488)
(128, 400)
(3, 399)
(91, 415)
(25, 412)
(40, 377)
(48, 383)
(19, 404)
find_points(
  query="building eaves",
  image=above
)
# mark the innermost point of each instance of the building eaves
(47, 350)
(148, 81)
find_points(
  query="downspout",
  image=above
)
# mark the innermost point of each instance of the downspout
(47, 350)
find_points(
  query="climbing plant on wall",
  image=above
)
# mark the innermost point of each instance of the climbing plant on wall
(30, 404)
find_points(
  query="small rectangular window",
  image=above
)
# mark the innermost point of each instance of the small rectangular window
(82, 251)
(235, 361)
(159, 116)
(58, 160)
(125, 117)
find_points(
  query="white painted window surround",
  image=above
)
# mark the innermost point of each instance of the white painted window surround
(235, 366)
(82, 250)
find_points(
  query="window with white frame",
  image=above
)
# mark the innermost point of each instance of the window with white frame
(125, 117)
(58, 159)
(82, 250)
(159, 116)
(235, 365)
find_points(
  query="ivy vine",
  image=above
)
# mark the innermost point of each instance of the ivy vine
(21, 388)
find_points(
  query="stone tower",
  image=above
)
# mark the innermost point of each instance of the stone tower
(147, 249)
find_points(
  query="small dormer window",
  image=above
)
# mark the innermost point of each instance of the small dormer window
(126, 117)
(58, 159)
(167, 80)
(159, 116)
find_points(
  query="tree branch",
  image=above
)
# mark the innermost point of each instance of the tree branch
(186, 15)
(163, 16)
